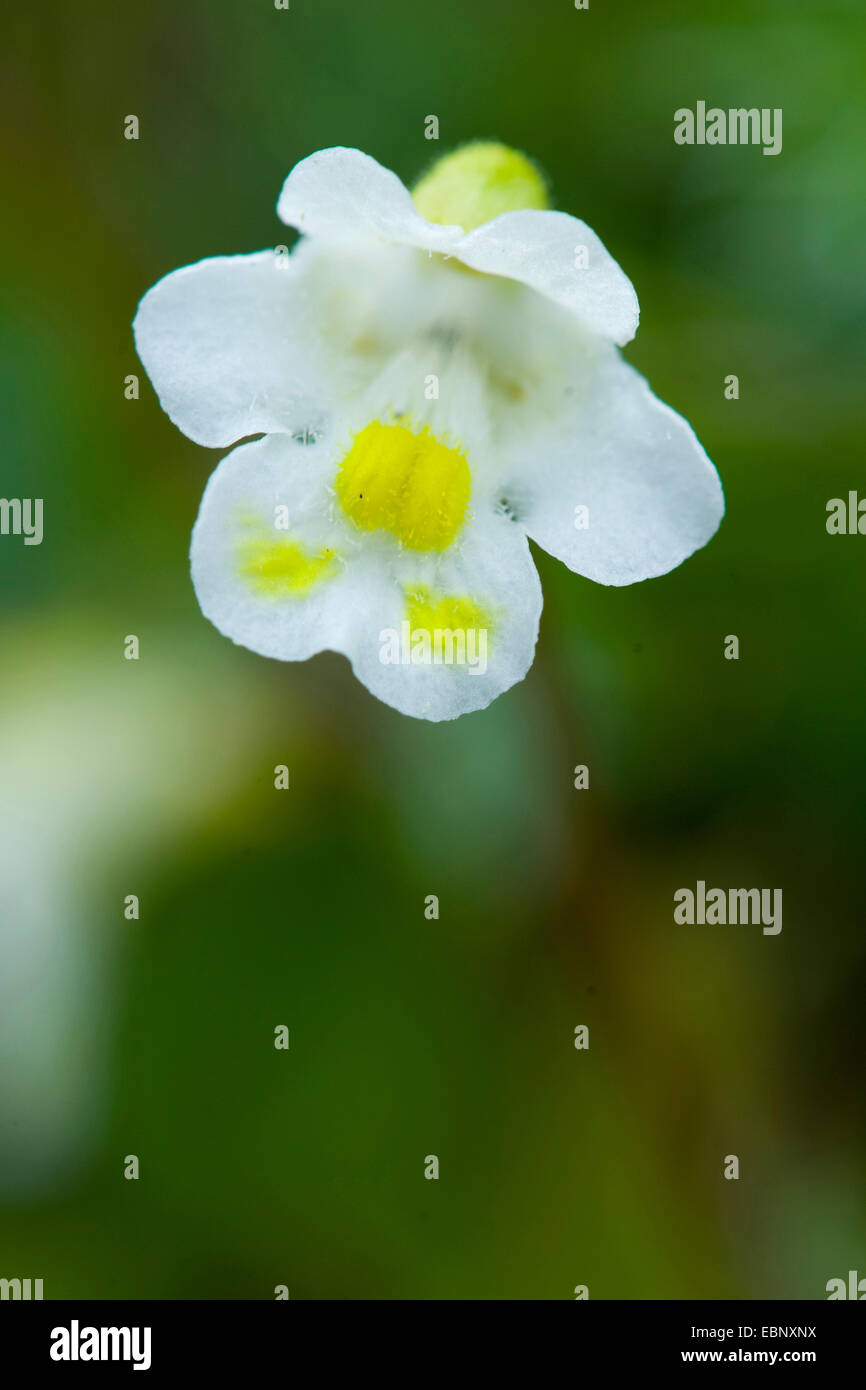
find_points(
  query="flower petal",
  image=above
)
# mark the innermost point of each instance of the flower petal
(483, 599)
(227, 346)
(307, 612)
(547, 251)
(345, 194)
(345, 591)
(652, 495)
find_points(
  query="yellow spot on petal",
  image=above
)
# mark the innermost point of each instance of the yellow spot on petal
(430, 612)
(508, 387)
(407, 482)
(478, 182)
(366, 344)
(281, 568)
(245, 516)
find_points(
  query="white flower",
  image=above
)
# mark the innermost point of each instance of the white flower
(433, 390)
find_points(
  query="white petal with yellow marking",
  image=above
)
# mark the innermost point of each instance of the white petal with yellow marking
(279, 567)
(268, 562)
(476, 606)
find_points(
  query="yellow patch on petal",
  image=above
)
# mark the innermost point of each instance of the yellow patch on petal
(429, 612)
(281, 568)
(406, 482)
(478, 182)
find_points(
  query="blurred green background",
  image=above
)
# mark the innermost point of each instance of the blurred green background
(259, 908)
